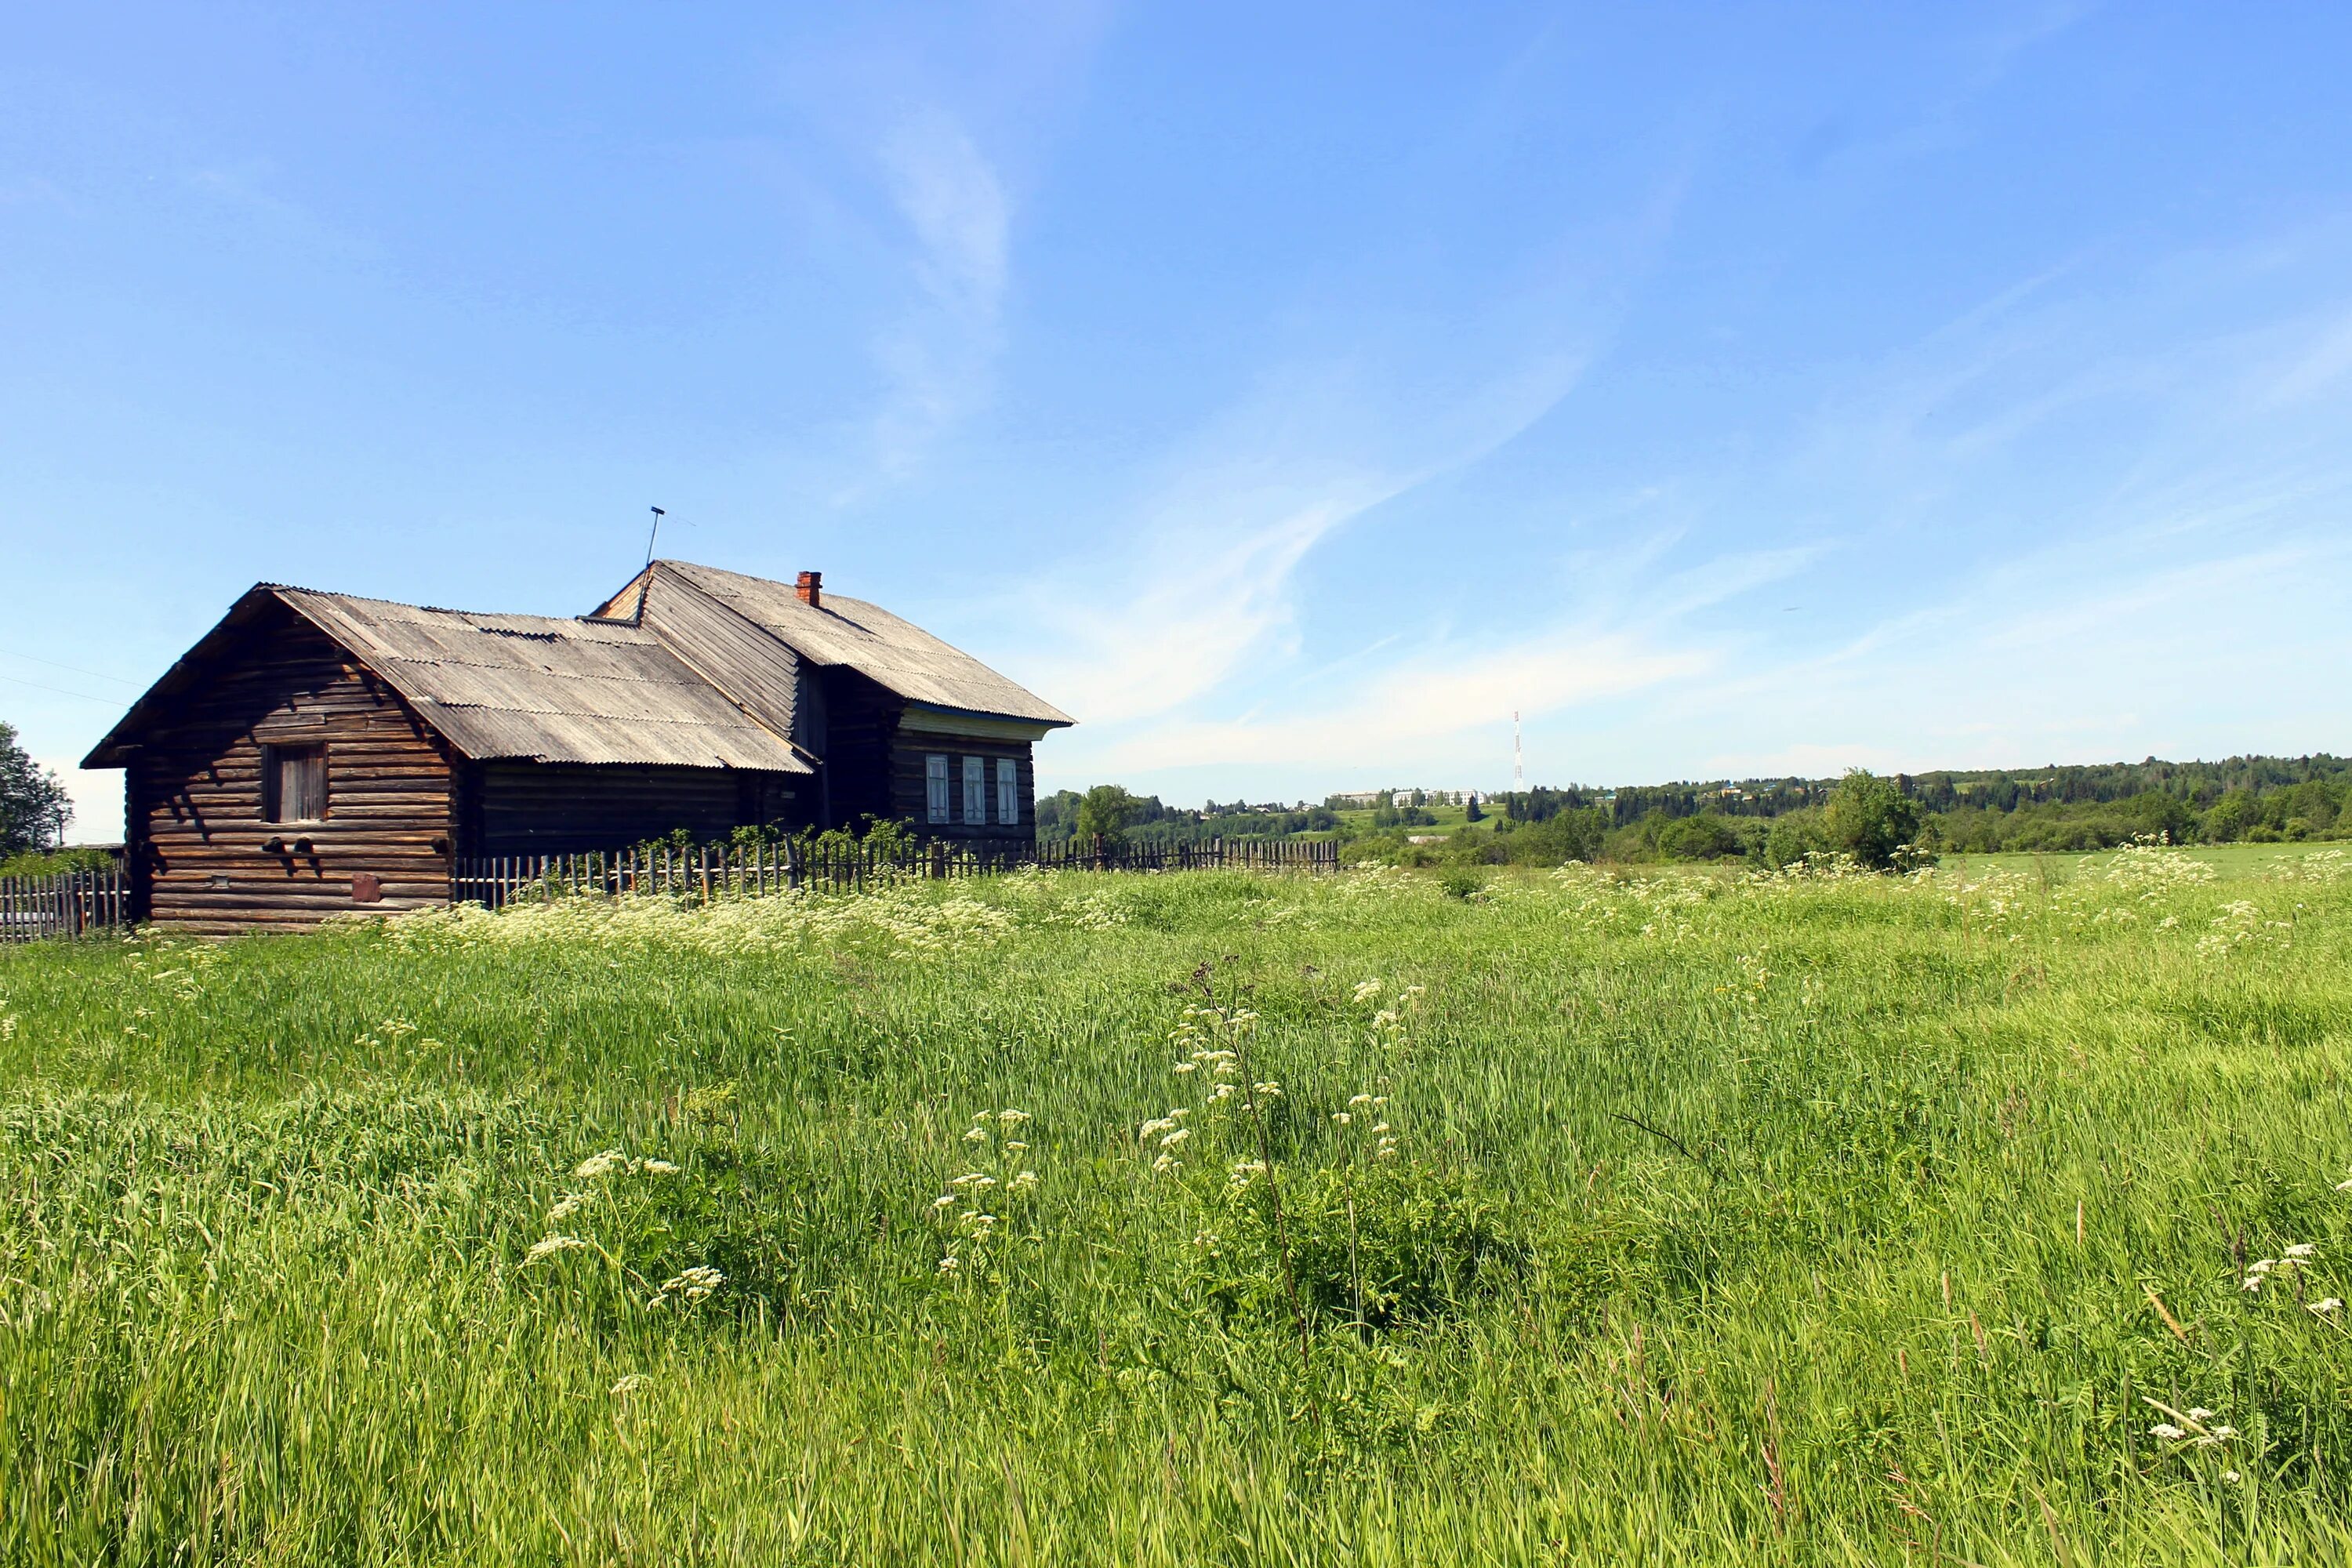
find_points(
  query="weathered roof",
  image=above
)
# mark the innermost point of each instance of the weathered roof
(687, 665)
(496, 686)
(895, 653)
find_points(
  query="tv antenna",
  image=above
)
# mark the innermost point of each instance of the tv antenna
(1518, 756)
(655, 533)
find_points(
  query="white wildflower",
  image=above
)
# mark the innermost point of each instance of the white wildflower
(947, 1264)
(1367, 989)
(597, 1166)
(977, 1135)
(1024, 1182)
(2326, 1305)
(694, 1284)
(1342, 1116)
(567, 1206)
(2232, 1477)
(2199, 1412)
(1359, 1099)
(944, 1200)
(1012, 1118)
(548, 1245)
(630, 1384)
(2301, 1250)
(657, 1168)
(2168, 1431)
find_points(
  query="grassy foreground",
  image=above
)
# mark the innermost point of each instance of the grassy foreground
(1670, 1219)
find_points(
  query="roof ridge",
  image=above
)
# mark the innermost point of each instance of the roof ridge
(435, 609)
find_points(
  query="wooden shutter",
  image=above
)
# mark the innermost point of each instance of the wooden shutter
(1008, 793)
(294, 784)
(975, 792)
(935, 787)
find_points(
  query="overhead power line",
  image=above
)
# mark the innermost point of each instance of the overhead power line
(86, 697)
(75, 669)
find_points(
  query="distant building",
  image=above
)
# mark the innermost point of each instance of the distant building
(1361, 798)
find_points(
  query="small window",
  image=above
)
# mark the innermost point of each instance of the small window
(294, 784)
(935, 787)
(1008, 791)
(975, 792)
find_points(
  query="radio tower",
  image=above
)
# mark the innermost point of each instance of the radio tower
(1518, 757)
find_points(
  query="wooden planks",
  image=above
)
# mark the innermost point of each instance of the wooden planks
(202, 856)
(64, 903)
(909, 802)
(713, 871)
(550, 809)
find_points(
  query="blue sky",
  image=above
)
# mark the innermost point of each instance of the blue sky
(1288, 394)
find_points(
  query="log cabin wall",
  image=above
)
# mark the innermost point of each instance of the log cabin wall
(860, 720)
(569, 808)
(195, 794)
(909, 796)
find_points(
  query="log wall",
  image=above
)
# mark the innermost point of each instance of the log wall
(198, 840)
(860, 721)
(568, 809)
(911, 803)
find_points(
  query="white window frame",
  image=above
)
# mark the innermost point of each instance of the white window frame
(975, 792)
(1008, 793)
(935, 787)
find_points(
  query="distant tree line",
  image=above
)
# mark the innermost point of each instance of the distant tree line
(1118, 817)
(1773, 822)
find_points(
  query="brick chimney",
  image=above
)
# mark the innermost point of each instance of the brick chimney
(810, 589)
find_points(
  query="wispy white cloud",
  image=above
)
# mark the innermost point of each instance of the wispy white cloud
(952, 199)
(1208, 592)
(938, 355)
(1416, 711)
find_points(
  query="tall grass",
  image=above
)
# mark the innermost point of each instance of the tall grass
(1819, 1220)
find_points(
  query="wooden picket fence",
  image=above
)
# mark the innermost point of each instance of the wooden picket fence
(717, 871)
(64, 903)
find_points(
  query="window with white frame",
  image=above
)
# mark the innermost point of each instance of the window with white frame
(975, 792)
(1008, 791)
(935, 788)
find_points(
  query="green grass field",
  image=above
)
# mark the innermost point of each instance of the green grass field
(1681, 1218)
(1449, 819)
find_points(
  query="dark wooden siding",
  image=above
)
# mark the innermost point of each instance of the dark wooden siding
(910, 802)
(194, 793)
(565, 809)
(860, 720)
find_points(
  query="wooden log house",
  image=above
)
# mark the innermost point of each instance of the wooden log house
(318, 754)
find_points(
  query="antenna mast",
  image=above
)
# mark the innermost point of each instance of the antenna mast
(1518, 757)
(645, 577)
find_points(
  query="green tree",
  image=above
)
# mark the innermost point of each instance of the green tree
(1870, 819)
(1793, 837)
(1473, 812)
(1105, 811)
(33, 806)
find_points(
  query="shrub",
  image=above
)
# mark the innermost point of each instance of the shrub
(1871, 820)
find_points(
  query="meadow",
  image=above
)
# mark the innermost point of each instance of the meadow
(1993, 1214)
